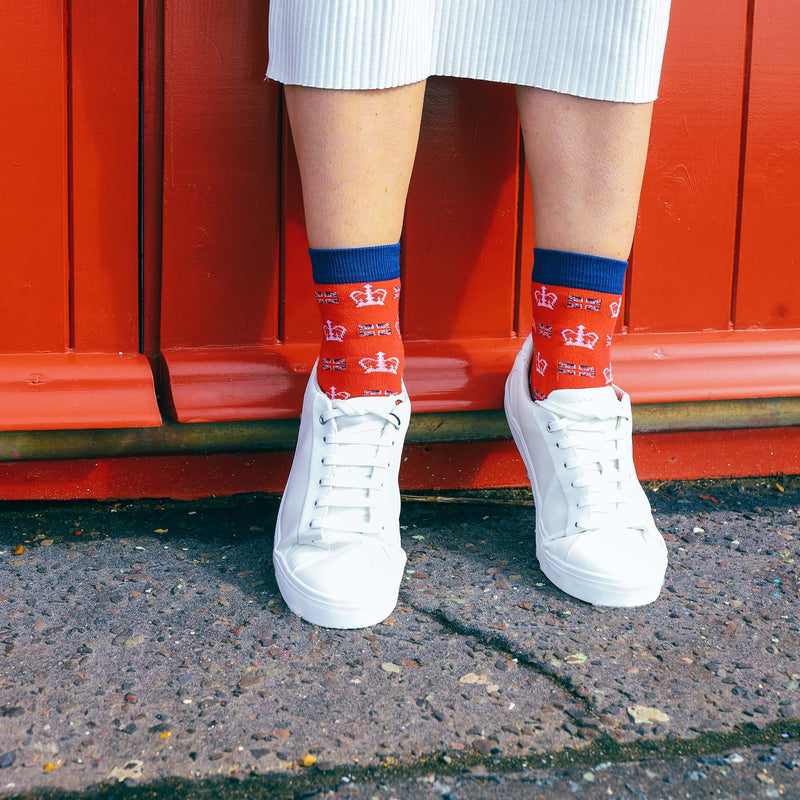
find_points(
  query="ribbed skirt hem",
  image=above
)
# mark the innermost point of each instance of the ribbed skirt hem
(602, 49)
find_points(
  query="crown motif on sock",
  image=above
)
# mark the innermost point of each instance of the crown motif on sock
(369, 297)
(333, 333)
(544, 298)
(579, 337)
(380, 363)
(334, 395)
(607, 375)
(396, 292)
(615, 306)
(541, 364)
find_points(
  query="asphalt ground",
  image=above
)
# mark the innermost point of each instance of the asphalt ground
(145, 652)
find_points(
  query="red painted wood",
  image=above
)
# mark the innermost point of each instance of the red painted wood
(220, 236)
(461, 221)
(56, 391)
(105, 163)
(33, 175)
(300, 315)
(153, 169)
(668, 456)
(769, 280)
(683, 254)
(523, 311)
(218, 384)
(69, 176)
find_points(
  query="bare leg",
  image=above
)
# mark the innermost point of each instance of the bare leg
(356, 150)
(586, 161)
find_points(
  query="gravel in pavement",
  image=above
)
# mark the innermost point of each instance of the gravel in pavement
(146, 641)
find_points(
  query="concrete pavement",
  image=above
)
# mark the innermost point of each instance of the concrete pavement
(145, 652)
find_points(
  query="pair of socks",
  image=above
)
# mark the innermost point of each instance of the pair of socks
(576, 301)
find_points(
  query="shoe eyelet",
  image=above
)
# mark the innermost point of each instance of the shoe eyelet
(558, 444)
(565, 465)
(321, 420)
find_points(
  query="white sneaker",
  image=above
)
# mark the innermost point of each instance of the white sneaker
(595, 534)
(337, 552)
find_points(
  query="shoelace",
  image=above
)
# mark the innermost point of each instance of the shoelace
(356, 460)
(592, 450)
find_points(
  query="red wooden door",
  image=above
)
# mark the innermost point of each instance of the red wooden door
(69, 285)
(698, 322)
(224, 300)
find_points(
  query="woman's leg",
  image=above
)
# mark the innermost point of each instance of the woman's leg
(337, 555)
(596, 538)
(586, 161)
(355, 150)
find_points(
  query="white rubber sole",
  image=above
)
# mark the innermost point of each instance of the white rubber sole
(584, 586)
(318, 610)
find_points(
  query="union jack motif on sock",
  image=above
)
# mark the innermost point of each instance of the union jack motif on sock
(335, 364)
(579, 301)
(566, 368)
(375, 329)
(328, 298)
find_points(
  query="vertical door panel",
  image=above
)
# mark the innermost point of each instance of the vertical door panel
(301, 316)
(105, 136)
(33, 176)
(683, 256)
(461, 223)
(220, 239)
(768, 289)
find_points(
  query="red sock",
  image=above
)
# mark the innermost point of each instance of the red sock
(572, 330)
(361, 354)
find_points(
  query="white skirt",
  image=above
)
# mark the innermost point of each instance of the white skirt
(602, 49)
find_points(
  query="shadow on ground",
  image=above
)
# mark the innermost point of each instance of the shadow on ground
(145, 652)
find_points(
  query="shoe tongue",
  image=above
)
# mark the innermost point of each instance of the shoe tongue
(600, 401)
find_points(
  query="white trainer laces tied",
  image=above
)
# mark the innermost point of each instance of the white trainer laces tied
(592, 445)
(356, 457)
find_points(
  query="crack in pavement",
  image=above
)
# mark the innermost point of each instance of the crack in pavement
(505, 647)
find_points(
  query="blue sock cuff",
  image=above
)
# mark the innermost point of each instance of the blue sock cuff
(579, 271)
(356, 264)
